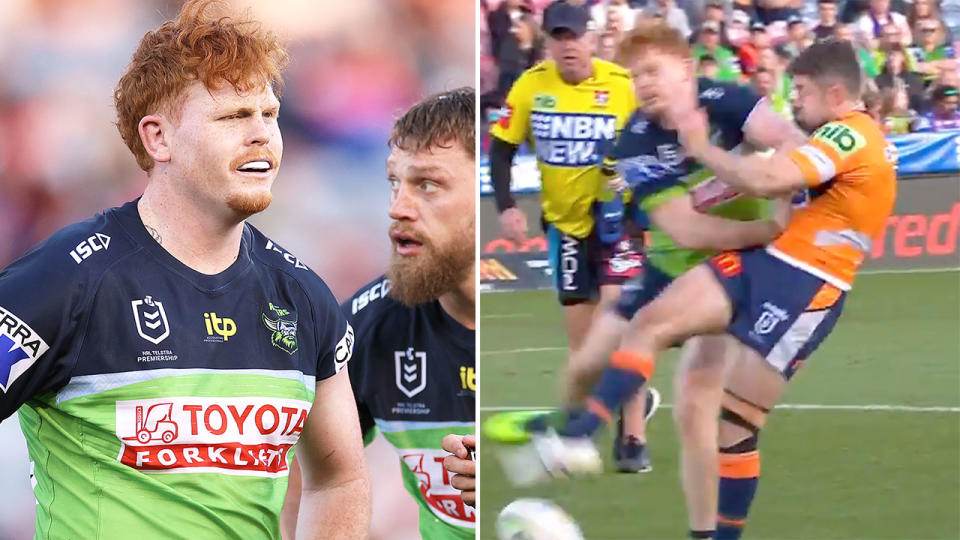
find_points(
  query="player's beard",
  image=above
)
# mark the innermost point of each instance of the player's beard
(436, 271)
(248, 204)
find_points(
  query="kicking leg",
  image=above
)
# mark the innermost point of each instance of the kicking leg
(695, 303)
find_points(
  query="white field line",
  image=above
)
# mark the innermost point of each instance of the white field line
(507, 316)
(907, 271)
(787, 406)
(860, 273)
(527, 350)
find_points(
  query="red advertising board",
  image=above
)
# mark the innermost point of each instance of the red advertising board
(922, 233)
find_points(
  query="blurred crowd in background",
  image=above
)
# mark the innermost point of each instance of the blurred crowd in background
(355, 66)
(907, 48)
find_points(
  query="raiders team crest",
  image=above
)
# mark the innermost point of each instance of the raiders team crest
(283, 328)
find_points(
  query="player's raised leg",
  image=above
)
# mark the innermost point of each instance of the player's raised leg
(590, 359)
(695, 303)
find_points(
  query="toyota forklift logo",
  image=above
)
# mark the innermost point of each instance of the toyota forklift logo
(241, 436)
(157, 426)
(444, 500)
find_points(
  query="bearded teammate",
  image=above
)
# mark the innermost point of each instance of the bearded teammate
(414, 370)
(781, 301)
(170, 336)
(571, 109)
(414, 378)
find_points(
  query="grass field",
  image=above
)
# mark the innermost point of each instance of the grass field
(844, 470)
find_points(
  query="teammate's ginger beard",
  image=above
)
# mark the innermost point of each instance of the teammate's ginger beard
(437, 270)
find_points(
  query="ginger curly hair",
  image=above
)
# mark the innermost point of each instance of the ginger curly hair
(196, 46)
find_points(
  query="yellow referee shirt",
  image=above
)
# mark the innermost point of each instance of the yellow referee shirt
(570, 127)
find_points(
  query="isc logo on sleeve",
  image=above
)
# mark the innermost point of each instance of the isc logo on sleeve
(377, 291)
(86, 248)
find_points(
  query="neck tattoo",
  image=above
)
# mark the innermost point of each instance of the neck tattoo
(153, 232)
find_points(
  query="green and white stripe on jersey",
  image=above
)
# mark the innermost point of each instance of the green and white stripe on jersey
(442, 512)
(131, 450)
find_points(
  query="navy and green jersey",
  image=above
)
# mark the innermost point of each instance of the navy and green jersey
(156, 401)
(653, 164)
(414, 380)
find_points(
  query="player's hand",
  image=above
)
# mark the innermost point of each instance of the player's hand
(617, 183)
(513, 225)
(692, 127)
(463, 466)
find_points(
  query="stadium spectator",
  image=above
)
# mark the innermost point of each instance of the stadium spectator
(737, 31)
(771, 11)
(519, 53)
(931, 53)
(746, 6)
(873, 23)
(765, 82)
(950, 77)
(845, 32)
(925, 9)
(944, 115)
(714, 10)
(872, 103)
(749, 53)
(612, 31)
(896, 72)
(728, 69)
(895, 112)
(890, 40)
(827, 19)
(776, 61)
(514, 43)
(619, 9)
(707, 67)
(500, 21)
(798, 35)
(674, 16)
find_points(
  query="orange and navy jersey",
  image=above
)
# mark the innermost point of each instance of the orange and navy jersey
(850, 170)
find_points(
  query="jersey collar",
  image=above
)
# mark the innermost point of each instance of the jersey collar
(129, 218)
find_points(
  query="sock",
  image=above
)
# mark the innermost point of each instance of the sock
(702, 534)
(628, 371)
(739, 476)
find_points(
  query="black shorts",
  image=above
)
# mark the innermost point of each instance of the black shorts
(581, 265)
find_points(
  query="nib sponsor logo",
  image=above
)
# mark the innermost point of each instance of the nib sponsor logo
(444, 501)
(242, 436)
